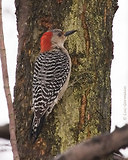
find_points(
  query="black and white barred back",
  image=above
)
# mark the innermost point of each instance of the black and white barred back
(50, 74)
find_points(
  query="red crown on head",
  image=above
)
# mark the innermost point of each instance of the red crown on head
(45, 41)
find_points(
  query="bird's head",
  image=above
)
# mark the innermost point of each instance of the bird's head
(54, 38)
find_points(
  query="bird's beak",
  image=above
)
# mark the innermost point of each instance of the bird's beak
(69, 32)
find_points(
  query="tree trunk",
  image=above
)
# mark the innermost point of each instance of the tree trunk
(85, 109)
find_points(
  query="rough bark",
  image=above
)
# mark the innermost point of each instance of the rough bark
(85, 109)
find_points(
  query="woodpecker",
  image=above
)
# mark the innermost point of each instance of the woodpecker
(51, 76)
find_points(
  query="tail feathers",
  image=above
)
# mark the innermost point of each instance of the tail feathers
(36, 127)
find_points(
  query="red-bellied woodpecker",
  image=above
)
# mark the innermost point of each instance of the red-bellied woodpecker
(51, 76)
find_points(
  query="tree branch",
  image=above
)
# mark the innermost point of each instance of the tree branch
(7, 90)
(98, 147)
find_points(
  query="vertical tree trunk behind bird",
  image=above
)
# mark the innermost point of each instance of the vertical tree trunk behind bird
(85, 109)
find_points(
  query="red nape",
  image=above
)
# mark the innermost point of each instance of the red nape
(45, 42)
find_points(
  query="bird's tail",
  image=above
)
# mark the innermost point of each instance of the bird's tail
(36, 126)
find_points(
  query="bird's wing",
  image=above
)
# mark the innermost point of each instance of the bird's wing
(50, 73)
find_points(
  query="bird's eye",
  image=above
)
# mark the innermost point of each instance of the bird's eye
(60, 34)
